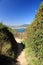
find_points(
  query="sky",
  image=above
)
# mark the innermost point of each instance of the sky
(18, 12)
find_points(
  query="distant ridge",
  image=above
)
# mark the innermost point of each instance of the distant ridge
(25, 25)
(20, 26)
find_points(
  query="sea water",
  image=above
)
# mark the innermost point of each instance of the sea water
(20, 30)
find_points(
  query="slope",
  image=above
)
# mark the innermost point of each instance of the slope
(34, 41)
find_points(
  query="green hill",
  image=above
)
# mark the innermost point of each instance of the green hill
(34, 41)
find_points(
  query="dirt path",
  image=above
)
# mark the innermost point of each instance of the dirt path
(21, 58)
(18, 40)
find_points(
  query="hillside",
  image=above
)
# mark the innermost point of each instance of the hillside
(8, 44)
(34, 41)
(4, 38)
(10, 47)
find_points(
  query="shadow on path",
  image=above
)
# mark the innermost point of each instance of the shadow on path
(4, 60)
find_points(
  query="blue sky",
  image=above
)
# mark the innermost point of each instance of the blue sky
(18, 12)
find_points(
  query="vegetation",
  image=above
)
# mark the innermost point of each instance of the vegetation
(34, 41)
(9, 50)
(8, 45)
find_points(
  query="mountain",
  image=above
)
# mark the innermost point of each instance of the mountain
(24, 25)
(20, 26)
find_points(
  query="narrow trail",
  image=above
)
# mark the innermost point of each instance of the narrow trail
(21, 58)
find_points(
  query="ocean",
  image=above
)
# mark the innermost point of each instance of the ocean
(21, 30)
